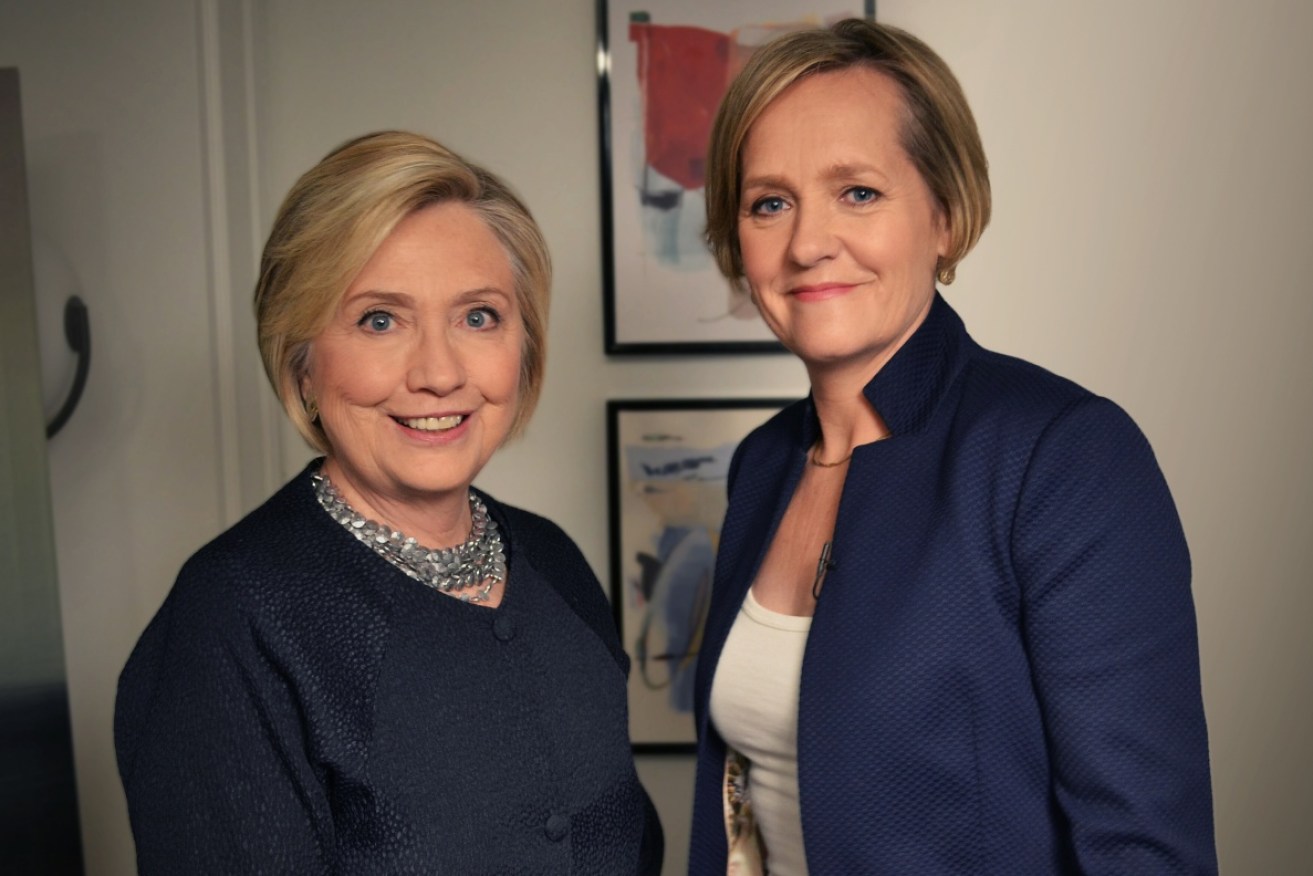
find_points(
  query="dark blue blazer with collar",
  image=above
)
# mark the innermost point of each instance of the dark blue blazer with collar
(1002, 674)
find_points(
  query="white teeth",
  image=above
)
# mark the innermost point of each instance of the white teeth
(435, 424)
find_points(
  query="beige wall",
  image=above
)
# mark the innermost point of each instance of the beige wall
(1150, 240)
(116, 186)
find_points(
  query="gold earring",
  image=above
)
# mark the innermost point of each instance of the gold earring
(311, 409)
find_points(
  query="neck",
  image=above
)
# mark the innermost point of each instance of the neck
(436, 521)
(847, 419)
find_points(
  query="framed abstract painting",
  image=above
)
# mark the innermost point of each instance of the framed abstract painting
(663, 66)
(667, 462)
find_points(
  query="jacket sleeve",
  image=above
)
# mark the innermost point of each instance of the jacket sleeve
(1109, 625)
(210, 745)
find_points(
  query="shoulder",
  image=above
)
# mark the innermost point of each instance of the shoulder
(1026, 386)
(1080, 471)
(545, 545)
(284, 593)
(1044, 420)
(1001, 385)
(280, 544)
(290, 513)
(531, 532)
(205, 631)
(554, 556)
(281, 574)
(548, 549)
(1023, 408)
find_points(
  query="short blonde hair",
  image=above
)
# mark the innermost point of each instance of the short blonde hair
(938, 132)
(335, 217)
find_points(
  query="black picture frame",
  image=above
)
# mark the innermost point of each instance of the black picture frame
(666, 464)
(661, 292)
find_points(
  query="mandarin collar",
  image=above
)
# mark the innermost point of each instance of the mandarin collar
(906, 391)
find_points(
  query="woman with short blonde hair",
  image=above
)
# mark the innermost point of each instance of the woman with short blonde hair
(383, 669)
(335, 217)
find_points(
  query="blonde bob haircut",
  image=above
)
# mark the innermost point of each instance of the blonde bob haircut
(335, 217)
(938, 131)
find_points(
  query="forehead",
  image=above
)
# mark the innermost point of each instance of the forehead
(846, 116)
(446, 244)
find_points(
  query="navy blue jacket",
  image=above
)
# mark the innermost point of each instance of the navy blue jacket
(298, 705)
(1002, 674)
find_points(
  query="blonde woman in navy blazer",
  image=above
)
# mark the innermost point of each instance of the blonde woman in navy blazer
(976, 565)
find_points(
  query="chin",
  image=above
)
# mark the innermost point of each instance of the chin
(432, 489)
(438, 479)
(823, 351)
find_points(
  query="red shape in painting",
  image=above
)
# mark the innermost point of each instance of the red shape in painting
(683, 72)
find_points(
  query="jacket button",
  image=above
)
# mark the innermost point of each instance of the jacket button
(503, 628)
(557, 827)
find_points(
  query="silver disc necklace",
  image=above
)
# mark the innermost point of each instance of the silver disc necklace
(477, 564)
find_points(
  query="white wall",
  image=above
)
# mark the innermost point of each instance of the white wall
(1149, 240)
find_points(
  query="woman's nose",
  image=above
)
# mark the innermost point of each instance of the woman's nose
(436, 364)
(813, 237)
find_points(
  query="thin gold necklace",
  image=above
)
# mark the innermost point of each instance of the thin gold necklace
(811, 456)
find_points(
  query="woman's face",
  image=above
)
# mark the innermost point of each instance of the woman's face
(417, 375)
(840, 236)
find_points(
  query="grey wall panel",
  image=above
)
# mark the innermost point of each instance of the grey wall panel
(38, 800)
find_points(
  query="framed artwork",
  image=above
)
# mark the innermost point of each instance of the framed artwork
(668, 460)
(663, 66)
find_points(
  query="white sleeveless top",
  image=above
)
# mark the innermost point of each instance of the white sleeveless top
(754, 707)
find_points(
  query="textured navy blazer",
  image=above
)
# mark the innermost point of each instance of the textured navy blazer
(299, 706)
(1002, 674)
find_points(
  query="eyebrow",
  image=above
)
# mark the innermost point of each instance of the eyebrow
(379, 296)
(766, 181)
(834, 172)
(483, 293)
(848, 171)
(402, 299)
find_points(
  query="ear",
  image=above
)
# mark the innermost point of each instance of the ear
(300, 365)
(943, 232)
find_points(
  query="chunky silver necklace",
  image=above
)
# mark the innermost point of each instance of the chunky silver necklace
(478, 562)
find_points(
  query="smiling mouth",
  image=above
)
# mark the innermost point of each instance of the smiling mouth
(820, 290)
(433, 424)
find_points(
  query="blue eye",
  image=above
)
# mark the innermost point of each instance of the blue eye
(862, 194)
(377, 321)
(768, 206)
(481, 318)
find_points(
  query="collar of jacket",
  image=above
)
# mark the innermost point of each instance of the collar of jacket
(908, 389)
